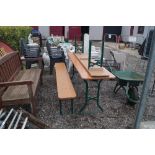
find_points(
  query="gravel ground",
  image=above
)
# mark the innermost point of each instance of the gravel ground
(117, 114)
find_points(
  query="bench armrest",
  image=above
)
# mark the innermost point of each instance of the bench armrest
(14, 83)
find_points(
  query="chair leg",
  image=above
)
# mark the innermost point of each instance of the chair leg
(28, 64)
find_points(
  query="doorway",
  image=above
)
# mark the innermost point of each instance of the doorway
(113, 30)
(116, 30)
(57, 30)
(75, 31)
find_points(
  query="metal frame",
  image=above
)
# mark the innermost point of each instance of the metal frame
(99, 62)
(88, 98)
(72, 109)
(148, 74)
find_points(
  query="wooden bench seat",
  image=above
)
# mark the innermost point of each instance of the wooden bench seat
(17, 86)
(21, 91)
(65, 87)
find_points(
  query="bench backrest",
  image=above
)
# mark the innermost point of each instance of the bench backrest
(10, 65)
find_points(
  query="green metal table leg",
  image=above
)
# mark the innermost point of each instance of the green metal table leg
(98, 94)
(86, 97)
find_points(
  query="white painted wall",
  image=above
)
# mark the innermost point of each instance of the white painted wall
(95, 32)
(44, 30)
(125, 33)
(140, 37)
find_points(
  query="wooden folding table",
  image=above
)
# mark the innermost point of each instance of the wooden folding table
(80, 62)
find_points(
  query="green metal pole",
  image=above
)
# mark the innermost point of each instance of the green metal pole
(98, 94)
(148, 74)
(102, 53)
(89, 56)
(83, 45)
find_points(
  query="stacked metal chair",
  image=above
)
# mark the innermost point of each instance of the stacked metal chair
(30, 52)
(56, 55)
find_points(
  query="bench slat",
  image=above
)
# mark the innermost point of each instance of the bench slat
(21, 92)
(65, 88)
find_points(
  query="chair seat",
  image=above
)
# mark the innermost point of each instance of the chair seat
(57, 57)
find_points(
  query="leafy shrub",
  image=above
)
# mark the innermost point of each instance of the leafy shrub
(12, 34)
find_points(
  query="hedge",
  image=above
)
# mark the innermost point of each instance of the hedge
(12, 34)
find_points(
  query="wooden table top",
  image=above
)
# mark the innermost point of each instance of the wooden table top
(80, 62)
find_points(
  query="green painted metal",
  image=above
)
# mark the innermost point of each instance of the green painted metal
(88, 98)
(102, 54)
(146, 85)
(60, 103)
(129, 76)
(83, 45)
(89, 57)
(75, 45)
(98, 94)
(129, 81)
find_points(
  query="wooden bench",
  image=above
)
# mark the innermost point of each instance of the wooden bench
(17, 86)
(65, 88)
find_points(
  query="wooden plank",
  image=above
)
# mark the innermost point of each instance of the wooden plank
(65, 88)
(82, 68)
(94, 71)
(82, 56)
(34, 120)
(98, 72)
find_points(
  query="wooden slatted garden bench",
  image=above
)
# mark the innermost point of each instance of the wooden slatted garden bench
(65, 87)
(17, 86)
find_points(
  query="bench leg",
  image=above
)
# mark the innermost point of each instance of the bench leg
(60, 107)
(33, 107)
(72, 106)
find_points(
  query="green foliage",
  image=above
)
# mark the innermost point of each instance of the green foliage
(12, 34)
